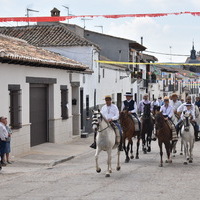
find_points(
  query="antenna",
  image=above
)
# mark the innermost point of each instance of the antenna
(100, 27)
(67, 12)
(84, 19)
(29, 10)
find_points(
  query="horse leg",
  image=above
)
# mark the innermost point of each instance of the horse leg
(109, 169)
(168, 151)
(144, 149)
(127, 152)
(131, 144)
(185, 152)
(118, 160)
(98, 169)
(191, 149)
(138, 145)
(161, 154)
(149, 141)
(174, 147)
(181, 147)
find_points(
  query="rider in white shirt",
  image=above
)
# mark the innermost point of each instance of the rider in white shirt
(180, 109)
(111, 113)
(175, 103)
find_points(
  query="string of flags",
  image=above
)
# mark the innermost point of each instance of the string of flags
(63, 18)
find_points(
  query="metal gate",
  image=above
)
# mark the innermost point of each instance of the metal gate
(38, 114)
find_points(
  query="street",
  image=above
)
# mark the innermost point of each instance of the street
(77, 179)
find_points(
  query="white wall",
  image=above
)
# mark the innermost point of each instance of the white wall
(16, 74)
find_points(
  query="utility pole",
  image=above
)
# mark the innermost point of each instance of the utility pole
(29, 10)
(84, 19)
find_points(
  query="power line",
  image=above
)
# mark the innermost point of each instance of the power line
(167, 54)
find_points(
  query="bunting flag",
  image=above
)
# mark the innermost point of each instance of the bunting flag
(140, 63)
(63, 18)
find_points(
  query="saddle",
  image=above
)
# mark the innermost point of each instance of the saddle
(173, 130)
(136, 123)
(117, 133)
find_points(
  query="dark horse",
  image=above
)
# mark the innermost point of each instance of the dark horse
(164, 135)
(147, 125)
(129, 132)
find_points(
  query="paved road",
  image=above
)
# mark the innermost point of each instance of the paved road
(77, 179)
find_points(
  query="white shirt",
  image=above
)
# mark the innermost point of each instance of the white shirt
(182, 106)
(167, 110)
(110, 112)
(141, 105)
(3, 132)
(191, 111)
(175, 104)
(155, 103)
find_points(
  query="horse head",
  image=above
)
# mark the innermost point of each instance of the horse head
(147, 110)
(96, 119)
(159, 119)
(186, 118)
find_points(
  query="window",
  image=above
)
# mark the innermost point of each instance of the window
(64, 102)
(15, 106)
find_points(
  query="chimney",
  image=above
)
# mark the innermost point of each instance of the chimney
(55, 12)
(141, 40)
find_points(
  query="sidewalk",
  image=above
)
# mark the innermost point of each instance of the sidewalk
(51, 154)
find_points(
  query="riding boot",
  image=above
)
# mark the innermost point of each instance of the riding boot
(94, 145)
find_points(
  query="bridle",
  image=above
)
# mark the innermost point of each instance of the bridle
(95, 121)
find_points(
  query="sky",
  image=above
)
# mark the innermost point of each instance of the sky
(170, 35)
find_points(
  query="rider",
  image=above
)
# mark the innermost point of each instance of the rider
(167, 112)
(182, 108)
(111, 113)
(130, 105)
(141, 104)
(174, 102)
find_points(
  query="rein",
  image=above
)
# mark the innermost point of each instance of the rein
(103, 129)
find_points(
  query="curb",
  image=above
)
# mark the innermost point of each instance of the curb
(52, 164)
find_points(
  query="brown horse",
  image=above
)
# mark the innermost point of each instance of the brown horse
(164, 135)
(129, 132)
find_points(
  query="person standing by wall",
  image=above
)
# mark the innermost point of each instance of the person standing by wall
(7, 148)
(3, 138)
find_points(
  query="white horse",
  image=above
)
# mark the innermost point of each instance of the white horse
(187, 137)
(105, 140)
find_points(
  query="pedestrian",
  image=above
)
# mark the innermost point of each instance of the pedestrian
(7, 148)
(3, 138)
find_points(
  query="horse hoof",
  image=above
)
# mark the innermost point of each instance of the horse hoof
(185, 163)
(145, 152)
(190, 161)
(174, 156)
(98, 170)
(181, 154)
(174, 151)
(110, 171)
(132, 157)
(137, 157)
(161, 165)
(127, 160)
(118, 168)
(149, 149)
(107, 175)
